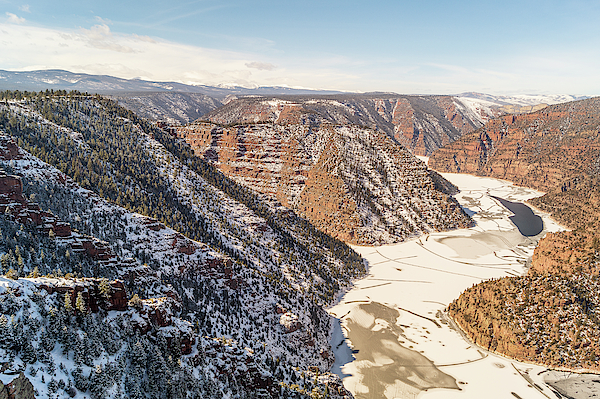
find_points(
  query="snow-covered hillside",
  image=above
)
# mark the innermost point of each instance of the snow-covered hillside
(257, 277)
(175, 108)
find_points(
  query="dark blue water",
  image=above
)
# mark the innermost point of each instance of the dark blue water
(528, 223)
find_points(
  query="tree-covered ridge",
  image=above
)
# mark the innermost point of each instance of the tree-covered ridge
(281, 268)
(541, 318)
(106, 151)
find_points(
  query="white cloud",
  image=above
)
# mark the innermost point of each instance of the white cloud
(14, 19)
(144, 38)
(24, 8)
(100, 37)
(103, 21)
(263, 66)
(100, 51)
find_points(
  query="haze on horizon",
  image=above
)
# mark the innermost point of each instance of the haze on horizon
(424, 47)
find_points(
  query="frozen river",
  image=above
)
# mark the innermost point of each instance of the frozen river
(400, 343)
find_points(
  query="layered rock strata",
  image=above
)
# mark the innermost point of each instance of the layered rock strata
(351, 182)
(545, 150)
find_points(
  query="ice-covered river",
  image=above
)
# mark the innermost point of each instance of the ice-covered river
(400, 343)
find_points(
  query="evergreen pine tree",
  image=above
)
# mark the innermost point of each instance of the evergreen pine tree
(80, 303)
(99, 382)
(28, 353)
(5, 333)
(68, 301)
(79, 379)
(105, 288)
(4, 263)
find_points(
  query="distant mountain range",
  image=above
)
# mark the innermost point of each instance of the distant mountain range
(103, 84)
(522, 99)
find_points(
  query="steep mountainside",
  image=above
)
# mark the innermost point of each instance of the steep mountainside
(257, 276)
(352, 182)
(174, 108)
(551, 315)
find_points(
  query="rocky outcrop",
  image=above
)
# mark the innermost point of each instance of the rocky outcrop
(20, 388)
(289, 322)
(13, 204)
(158, 316)
(8, 149)
(562, 254)
(96, 293)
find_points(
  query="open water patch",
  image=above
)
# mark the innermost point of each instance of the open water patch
(528, 223)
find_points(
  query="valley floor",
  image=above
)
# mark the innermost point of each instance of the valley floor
(402, 344)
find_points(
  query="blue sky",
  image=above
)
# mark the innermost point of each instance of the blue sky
(502, 47)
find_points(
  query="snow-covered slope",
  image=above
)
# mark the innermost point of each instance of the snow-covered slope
(175, 108)
(484, 107)
(258, 280)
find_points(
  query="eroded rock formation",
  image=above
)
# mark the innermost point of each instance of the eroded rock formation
(353, 183)
(421, 123)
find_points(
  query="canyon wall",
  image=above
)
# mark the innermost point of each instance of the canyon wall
(352, 182)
